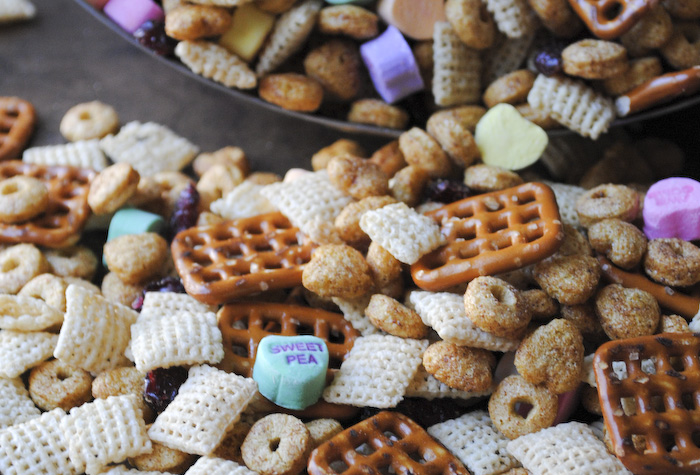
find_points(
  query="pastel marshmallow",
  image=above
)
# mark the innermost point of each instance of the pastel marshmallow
(672, 209)
(131, 14)
(133, 221)
(508, 140)
(392, 66)
(414, 18)
(291, 370)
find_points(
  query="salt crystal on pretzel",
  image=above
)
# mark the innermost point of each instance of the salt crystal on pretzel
(397, 359)
(506, 55)
(216, 62)
(354, 312)
(20, 351)
(206, 406)
(427, 386)
(27, 313)
(165, 304)
(216, 466)
(17, 406)
(476, 442)
(243, 201)
(149, 148)
(513, 17)
(456, 68)
(81, 154)
(36, 447)
(16, 10)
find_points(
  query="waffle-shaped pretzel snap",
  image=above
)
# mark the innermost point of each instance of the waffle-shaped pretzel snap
(244, 324)
(648, 391)
(608, 19)
(489, 234)
(17, 119)
(66, 212)
(228, 260)
(388, 442)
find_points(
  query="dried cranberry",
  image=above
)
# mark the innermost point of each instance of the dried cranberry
(162, 385)
(151, 34)
(446, 191)
(166, 284)
(186, 210)
(548, 60)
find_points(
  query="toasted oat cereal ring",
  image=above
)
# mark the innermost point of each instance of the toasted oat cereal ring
(575, 242)
(541, 305)
(136, 258)
(55, 384)
(112, 187)
(607, 201)
(349, 20)
(653, 30)
(505, 407)
(230, 156)
(640, 71)
(460, 367)
(230, 447)
(119, 382)
(320, 159)
(75, 261)
(323, 429)
(672, 261)
(18, 265)
(594, 59)
(584, 318)
(22, 198)
(337, 66)
(217, 182)
(337, 270)
(347, 223)
(423, 151)
(682, 51)
(511, 88)
(292, 91)
(162, 459)
(683, 9)
(570, 279)
(193, 22)
(408, 184)
(495, 306)
(47, 287)
(557, 16)
(379, 113)
(454, 136)
(484, 178)
(357, 177)
(277, 444)
(394, 318)
(626, 312)
(89, 120)
(117, 291)
(389, 158)
(472, 22)
(623, 243)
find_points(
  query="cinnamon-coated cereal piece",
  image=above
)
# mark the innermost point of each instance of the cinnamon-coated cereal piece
(460, 367)
(55, 384)
(574, 242)
(653, 30)
(291, 91)
(484, 178)
(22, 198)
(136, 258)
(217, 182)
(117, 291)
(640, 71)
(570, 279)
(384, 267)
(121, 382)
(49, 288)
(379, 113)
(454, 137)
(395, 318)
(74, 261)
(594, 59)
(511, 88)
(607, 201)
(357, 176)
(320, 159)
(337, 270)
(112, 187)
(673, 324)
(408, 184)
(322, 429)
(89, 120)
(472, 22)
(389, 158)
(230, 447)
(18, 265)
(540, 304)
(583, 316)
(337, 66)
(162, 459)
(278, 444)
(683, 9)
(169, 186)
(423, 151)
(672, 261)
(194, 22)
(682, 51)
(229, 156)
(349, 20)
(552, 355)
(590, 400)
(506, 400)
(495, 306)
(626, 312)
(347, 223)
(621, 242)
(557, 16)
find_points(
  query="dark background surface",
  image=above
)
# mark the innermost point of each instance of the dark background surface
(65, 56)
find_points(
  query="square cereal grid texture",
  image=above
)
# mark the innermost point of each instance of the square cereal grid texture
(20, 351)
(648, 388)
(216, 466)
(490, 234)
(164, 304)
(221, 262)
(81, 154)
(17, 406)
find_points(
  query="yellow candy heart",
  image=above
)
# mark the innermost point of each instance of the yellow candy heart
(249, 28)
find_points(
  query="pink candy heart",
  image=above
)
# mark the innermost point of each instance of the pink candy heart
(131, 14)
(672, 209)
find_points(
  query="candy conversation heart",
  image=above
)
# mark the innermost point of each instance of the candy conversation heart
(291, 370)
(672, 209)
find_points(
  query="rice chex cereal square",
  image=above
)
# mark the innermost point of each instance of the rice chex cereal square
(476, 442)
(20, 351)
(456, 68)
(17, 407)
(149, 148)
(218, 466)
(36, 447)
(243, 201)
(18, 312)
(207, 405)
(514, 18)
(95, 331)
(566, 449)
(427, 386)
(81, 154)
(354, 312)
(105, 431)
(506, 55)
(357, 382)
(165, 304)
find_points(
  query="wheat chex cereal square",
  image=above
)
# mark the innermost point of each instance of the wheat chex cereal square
(376, 372)
(36, 447)
(243, 201)
(17, 407)
(149, 148)
(218, 466)
(16, 10)
(403, 232)
(105, 431)
(180, 339)
(354, 312)
(506, 55)
(27, 313)
(311, 196)
(208, 403)
(456, 68)
(216, 62)
(445, 313)
(474, 440)
(165, 304)
(95, 331)
(427, 386)
(566, 196)
(566, 449)
(20, 351)
(81, 154)
(514, 18)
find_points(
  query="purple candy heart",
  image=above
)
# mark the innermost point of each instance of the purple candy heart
(392, 66)
(672, 209)
(131, 14)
